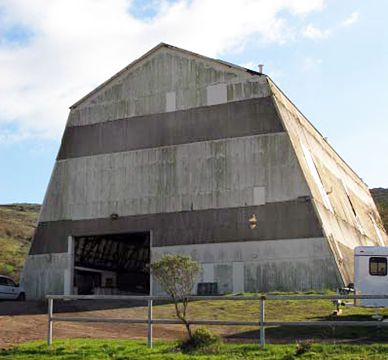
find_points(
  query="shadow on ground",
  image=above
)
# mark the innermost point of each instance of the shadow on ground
(289, 334)
(15, 308)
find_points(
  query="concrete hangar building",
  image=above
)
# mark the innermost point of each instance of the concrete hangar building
(173, 154)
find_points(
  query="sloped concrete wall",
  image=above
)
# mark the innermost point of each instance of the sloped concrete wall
(344, 205)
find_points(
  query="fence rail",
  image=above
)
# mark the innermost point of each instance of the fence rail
(261, 322)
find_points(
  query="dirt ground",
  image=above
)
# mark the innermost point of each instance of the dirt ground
(27, 321)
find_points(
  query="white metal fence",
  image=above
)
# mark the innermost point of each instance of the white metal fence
(261, 321)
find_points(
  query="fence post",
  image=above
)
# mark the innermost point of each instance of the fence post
(150, 323)
(50, 321)
(262, 317)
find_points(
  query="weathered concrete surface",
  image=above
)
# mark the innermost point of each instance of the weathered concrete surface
(268, 265)
(280, 220)
(204, 175)
(235, 119)
(44, 274)
(343, 237)
(148, 86)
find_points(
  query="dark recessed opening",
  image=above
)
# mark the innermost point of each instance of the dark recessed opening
(113, 264)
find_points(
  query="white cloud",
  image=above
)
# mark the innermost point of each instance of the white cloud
(312, 32)
(312, 63)
(351, 20)
(74, 45)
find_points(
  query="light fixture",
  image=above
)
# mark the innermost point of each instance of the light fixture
(114, 216)
(253, 222)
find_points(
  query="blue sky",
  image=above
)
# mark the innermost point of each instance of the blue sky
(329, 57)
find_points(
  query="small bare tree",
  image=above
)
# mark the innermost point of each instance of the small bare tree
(177, 274)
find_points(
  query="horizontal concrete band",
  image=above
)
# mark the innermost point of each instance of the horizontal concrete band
(282, 220)
(236, 119)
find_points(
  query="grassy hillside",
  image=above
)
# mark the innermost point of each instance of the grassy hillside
(17, 223)
(380, 196)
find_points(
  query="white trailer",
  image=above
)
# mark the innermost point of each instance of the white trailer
(370, 274)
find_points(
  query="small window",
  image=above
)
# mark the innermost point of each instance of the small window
(378, 266)
(10, 283)
(6, 282)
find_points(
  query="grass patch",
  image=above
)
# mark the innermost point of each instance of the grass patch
(124, 350)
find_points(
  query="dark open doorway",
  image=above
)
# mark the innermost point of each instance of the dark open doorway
(112, 264)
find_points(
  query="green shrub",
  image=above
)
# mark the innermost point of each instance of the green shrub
(202, 341)
(303, 347)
